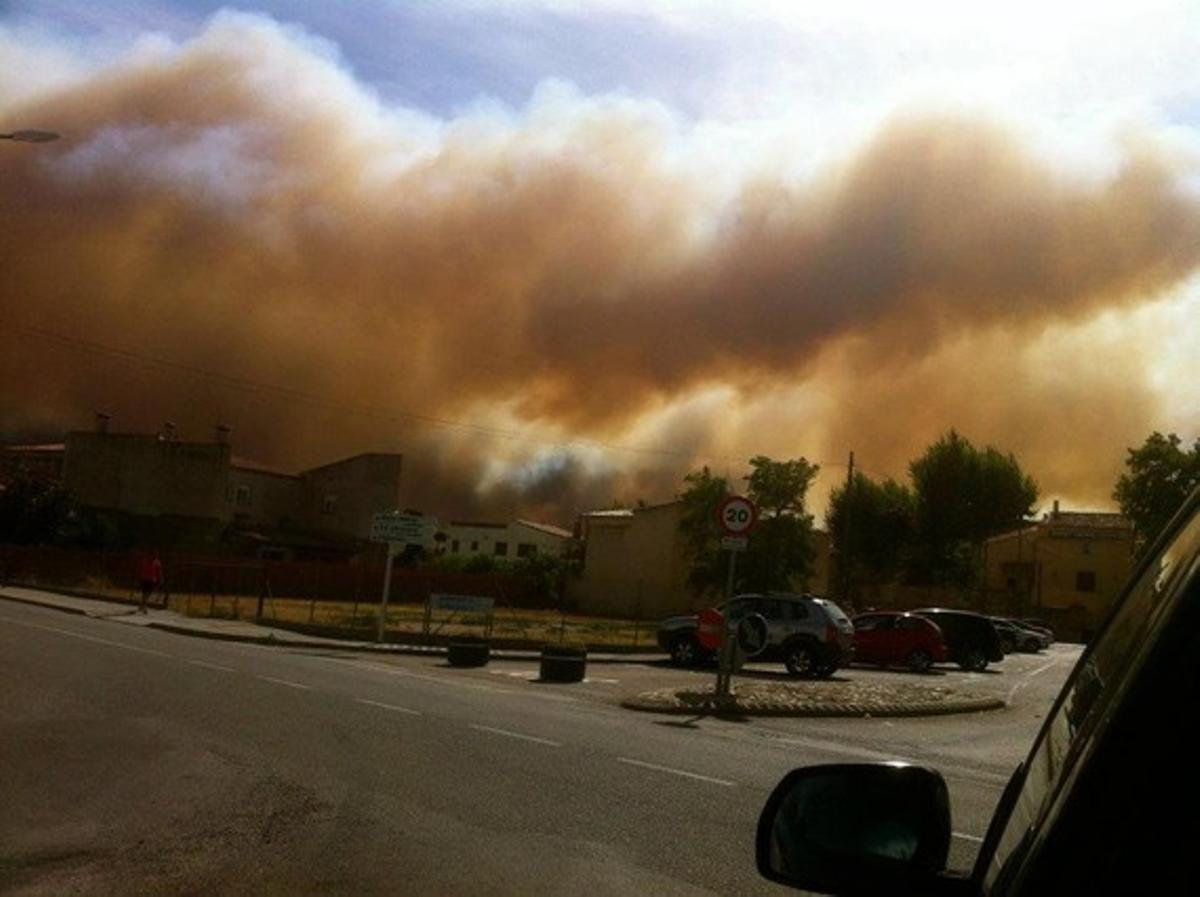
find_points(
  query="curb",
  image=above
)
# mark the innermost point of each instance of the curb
(964, 704)
(66, 610)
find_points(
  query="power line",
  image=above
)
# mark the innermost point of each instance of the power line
(247, 385)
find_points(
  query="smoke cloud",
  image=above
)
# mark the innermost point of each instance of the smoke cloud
(503, 297)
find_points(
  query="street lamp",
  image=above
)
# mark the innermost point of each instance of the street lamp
(30, 136)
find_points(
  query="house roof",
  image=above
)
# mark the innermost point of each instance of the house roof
(1088, 520)
(547, 528)
(256, 467)
(1074, 524)
(478, 524)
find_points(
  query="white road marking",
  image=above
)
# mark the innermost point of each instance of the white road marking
(673, 771)
(455, 683)
(533, 738)
(394, 707)
(286, 682)
(605, 681)
(1041, 669)
(212, 666)
(974, 839)
(86, 638)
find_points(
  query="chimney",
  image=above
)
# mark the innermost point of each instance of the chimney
(1056, 507)
(223, 433)
(170, 433)
(102, 420)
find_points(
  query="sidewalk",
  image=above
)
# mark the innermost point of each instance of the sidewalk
(245, 631)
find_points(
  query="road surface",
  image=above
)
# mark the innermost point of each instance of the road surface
(138, 761)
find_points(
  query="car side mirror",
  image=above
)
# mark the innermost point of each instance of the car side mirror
(856, 829)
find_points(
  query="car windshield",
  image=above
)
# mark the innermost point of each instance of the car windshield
(390, 392)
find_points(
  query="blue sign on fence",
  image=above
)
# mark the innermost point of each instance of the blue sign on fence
(465, 604)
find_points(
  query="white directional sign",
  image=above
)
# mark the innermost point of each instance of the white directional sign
(737, 515)
(402, 529)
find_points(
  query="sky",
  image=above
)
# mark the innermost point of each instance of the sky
(558, 253)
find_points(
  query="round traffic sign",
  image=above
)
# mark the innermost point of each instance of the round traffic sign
(752, 635)
(737, 515)
(710, 626)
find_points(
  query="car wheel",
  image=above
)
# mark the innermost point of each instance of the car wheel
(800, 659)
(685, 652)
(974, 661)
(826, 670)
(920, 661)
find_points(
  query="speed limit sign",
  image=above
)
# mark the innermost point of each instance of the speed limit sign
(737, 515)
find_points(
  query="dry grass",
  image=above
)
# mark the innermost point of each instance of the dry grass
(507, 623)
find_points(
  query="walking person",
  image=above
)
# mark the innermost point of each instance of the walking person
(150, 576)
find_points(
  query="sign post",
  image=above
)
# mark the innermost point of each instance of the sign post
(737, 516)
(398, 531)
(387, 587)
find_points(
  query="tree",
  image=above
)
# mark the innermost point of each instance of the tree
(781, 545)
(700, 529)
(1159, 476)
(884, 522)
(32, 510)
(963, 496)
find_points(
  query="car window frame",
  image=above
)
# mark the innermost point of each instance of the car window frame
(1025, 815)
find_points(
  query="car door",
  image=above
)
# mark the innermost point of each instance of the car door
(868, 635)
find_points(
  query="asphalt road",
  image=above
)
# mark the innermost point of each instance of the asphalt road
(137, 761)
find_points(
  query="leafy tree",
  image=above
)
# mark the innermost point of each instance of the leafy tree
(701, 531)
(33, 510)
(963, 496)
(1159, 476)
(882, 527)
(781, 546)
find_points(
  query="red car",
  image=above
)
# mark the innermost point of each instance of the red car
(892, 638)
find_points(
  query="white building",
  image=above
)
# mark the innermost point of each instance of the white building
(509, 541)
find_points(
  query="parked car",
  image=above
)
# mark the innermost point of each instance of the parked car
(887, 638)
(809, 634)
(1103, 804)
(1032, 639)
(1007, 632)
(1038, 626)
(971, 638)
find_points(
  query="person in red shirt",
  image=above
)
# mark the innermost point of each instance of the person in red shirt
(150, 576)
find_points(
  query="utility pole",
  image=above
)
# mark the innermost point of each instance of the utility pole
(847, 530)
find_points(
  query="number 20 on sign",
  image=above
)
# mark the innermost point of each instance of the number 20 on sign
(737, 515)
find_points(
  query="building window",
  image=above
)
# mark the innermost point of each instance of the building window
(526, 550)
(1085, 581)
(501, 549)
(329, 504)
(241, 495)
(474, 546)
(454, 546)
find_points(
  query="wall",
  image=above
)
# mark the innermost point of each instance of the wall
(343, 496)
(1039, 570)
(142, 474)
(633, 565)
(264, 499)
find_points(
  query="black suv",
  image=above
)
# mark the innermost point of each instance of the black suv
(1105, 803)
(808, 634)
(971, 639)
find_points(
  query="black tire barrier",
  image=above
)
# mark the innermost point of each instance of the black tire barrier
(468, 654)
(561, 664)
